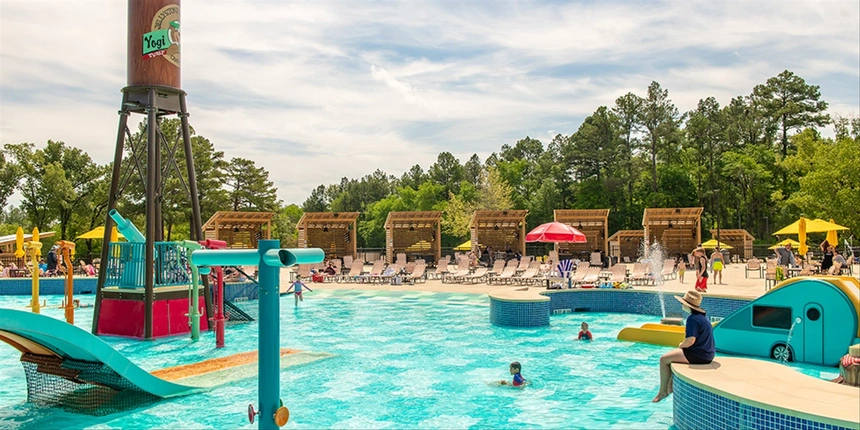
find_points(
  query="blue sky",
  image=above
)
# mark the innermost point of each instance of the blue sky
(315, 91)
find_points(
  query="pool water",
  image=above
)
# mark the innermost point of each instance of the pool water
(400, 360)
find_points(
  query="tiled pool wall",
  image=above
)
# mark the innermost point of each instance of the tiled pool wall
(47, 286)
(522, 314)
(697, 408)
(519, 314)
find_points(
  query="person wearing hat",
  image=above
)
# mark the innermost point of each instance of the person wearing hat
(697, 348)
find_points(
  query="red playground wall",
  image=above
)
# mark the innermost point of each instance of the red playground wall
(125, 317)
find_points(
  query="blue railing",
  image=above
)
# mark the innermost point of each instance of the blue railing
(126, 266)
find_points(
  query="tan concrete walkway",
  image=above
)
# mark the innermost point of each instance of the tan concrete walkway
(734, 284)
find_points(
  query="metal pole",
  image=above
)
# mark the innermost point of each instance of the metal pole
(269, 338)
(114, 188)
(718, 217)
(151, 169)
(196, 223)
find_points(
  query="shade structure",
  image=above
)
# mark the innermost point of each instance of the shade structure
(832, 238)
(555, 232)
(99, 233)
(801, 236)
(714, 244)
(812, 226)
(780, 244)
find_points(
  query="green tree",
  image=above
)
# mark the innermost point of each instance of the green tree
(317, 201)
(472, 170)
(8, 178)
(627, 109)
(249, 187)
(659, 120)
(284, 225)
(446, 171)
(414, 177)
(792, 104)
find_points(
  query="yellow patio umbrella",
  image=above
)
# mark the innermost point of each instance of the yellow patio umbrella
(801, 236)
(99, 233)
(832, 239)
(812, 226)
(465, 246)
(713, 244)
(792, 242)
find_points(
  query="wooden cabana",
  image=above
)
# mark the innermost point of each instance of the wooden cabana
(500, 230)
(678, 230)
(739, 239)
(239, 229)
(333, 232)
(591, 222)
(626, 244)
(417, 234)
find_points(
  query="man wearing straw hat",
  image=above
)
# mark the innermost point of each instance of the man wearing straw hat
(697, 348)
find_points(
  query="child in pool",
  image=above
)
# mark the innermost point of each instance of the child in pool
(297, 287)
(518, 380)
(584, 334)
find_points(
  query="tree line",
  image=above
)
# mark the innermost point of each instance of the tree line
(756, 163)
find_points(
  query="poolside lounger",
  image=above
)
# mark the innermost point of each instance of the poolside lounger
(441, 269)
(375, 271)
(618, 273)
(498, 266)
(462, 270)
(506, 275)
(529, 276)
(668, 269)
(525, 260)
(591, 276)
(354, 272)
(476, 277)
(638, 276)
(753, 265)
(417, 275)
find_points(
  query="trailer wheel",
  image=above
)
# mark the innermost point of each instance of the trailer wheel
(781, 352)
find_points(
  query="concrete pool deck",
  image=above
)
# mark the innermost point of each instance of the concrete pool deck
(735, 284)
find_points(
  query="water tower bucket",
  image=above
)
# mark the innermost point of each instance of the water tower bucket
(153, 43)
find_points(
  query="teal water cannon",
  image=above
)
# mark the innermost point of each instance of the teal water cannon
(269, 259)
(194, 289)
(126, 227)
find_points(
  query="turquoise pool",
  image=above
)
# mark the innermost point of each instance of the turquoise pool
(401, 360)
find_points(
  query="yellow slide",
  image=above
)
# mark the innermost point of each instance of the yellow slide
(655, 334)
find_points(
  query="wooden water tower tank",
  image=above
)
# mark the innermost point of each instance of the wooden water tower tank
(153, 43)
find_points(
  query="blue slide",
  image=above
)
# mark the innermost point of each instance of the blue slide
(49, 337)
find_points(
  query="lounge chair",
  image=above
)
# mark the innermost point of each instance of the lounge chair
(668, 271)
(498, 266)
(478, 276)
(417, 275)
(529, 277)
(618, 273)
(507, 274)
(441, 269)
(354, 272)
(375, 272)
(596, 259)
(591, 276)
(639, 275)
(525, 260)
(462, 270)
(753, 265)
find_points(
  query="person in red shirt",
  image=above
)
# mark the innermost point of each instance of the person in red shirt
(584, 334)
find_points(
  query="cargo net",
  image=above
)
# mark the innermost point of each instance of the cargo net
(239, 312)
(80, 386)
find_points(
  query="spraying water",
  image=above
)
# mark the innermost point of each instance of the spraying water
(653, 255)
(784, 355)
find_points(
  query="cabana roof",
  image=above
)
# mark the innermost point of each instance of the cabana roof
(590, 217)
(502, 219)
(733, 234)
(240, 220)
(324, 219)
(418, 219)
(621, 234)
(675, 216)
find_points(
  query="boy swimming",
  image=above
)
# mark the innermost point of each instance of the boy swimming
(518, 380)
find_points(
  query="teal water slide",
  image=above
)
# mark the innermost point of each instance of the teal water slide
(86, 364)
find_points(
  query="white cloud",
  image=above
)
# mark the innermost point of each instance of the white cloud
(315, 91)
